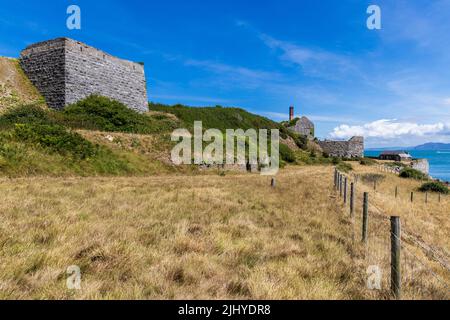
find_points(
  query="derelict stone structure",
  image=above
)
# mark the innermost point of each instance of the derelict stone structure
(305, 127)
(66, 71)
(353, 148)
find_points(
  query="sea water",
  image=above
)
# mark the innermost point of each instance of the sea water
(439, 161)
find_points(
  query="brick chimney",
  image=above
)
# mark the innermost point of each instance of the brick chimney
(291, 113)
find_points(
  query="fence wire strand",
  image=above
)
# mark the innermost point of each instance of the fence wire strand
(418, 279)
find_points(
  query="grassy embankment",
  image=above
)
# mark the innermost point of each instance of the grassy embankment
(178, 237)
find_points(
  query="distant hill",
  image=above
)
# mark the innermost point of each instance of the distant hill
(433, 146)
(423, 147)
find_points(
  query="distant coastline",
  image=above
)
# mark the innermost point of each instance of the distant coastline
(439, 159)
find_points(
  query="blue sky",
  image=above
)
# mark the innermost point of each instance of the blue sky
(390, 85)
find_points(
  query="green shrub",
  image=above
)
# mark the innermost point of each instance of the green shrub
(335, 161)
(55, 138)
(367, 162)
(434, 186)
(344, 167)
(286, 153)
(410, 173)
(104, 114)
(31, 113)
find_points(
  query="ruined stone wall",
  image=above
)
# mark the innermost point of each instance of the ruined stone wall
(66, 71)
(421, 165)
(354, 148)
(44, 64)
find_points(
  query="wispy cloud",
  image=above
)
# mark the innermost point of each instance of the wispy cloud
(238, 75)
(313, 61)
(390, 129)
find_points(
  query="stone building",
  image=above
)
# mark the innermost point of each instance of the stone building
(302, 125)
(66, 71)
(353, 148)
(395, 156)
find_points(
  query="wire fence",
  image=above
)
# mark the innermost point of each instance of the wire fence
(398, 263)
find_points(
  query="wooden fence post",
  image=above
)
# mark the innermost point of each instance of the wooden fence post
(439, 198)
(426, 197)
(335, 178)
(273, 183)
(396, 284)
(365, 217)
(396, 192)
(352, 200)
(345, 190)
(340, 184)
(412, 196)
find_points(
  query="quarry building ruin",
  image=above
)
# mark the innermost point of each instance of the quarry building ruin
(66, 71)
(353, 148)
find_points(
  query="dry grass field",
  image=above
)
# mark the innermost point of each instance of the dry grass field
(177, 237)
(425, 264)
(194, 237)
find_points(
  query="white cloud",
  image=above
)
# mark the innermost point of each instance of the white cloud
(389, 129)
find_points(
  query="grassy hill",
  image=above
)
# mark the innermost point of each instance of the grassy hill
(96, 136)
(99, 136)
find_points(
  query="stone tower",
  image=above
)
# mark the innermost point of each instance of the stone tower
(66, 71)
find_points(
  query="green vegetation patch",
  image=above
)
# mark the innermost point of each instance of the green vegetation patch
(104, 114)
(344, 167)
(410, 173)
(286, 154)
(367, 162)
(56, 139)
(434, 186)
(222, 118)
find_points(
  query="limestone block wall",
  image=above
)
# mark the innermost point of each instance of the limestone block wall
(44, 64)
(353, 148)
(66, 71)
(421, 165)
(90, 71)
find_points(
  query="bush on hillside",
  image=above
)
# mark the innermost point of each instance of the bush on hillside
(286, 154)
(30, 113)
(55, 138)
(104, 114)
(344, 167)
(367, 162)
(434, 186)
(409, 173)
